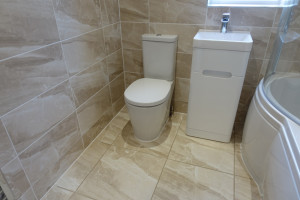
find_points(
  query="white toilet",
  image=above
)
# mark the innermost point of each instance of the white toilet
(148, 99)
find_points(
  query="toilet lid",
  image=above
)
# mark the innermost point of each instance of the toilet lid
(148, 92)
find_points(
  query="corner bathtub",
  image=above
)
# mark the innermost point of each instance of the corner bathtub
(271, 140)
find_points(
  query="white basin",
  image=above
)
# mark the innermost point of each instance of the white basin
(234, 41)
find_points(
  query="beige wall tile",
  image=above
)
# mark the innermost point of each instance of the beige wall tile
(82, 51)
(133, 60)
(117, 88)
(114, 65)
(76, 17)
(94, 115)
(29, 122)
(16, 178)
(88, 82)
(61, 146)
(109, 11)
(185, 34)
(183, 65)
(178, 11)
(252, 73)
(180, 106)
(245, 100)
(131, 77)
(132, 34)
(28, 75)
(214, 16)
(26, 25)
(182, 89)
(112, 37)
(134, 10)
(7, 152)
(118, 105)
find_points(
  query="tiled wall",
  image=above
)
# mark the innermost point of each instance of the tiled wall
(185, 18)
(61, 82)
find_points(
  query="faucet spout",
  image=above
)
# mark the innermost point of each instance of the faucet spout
(225, 20)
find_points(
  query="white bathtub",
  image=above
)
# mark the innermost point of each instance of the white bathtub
(271, 140)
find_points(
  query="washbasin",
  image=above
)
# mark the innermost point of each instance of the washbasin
(235, 41)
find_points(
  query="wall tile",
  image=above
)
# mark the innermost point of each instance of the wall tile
(117, 88)
(112, 37)
(7, 152)
(28, 75)
(26, 25)
(183, 65)
(27, 123)
(180, 106)
(118, 105)
(185, 34)
(134, 10)
(82, 51)
(262, 17)
(109, 11)
(245, 99)
(114, 65)
(133, 60)
(132, 34)
(46, 160)
(178, 11)
(131, 77)
(88, 82)
(76, 17)
(252, 73)
(94, 115)
(182, 89)
(214, 16)
(15, 177)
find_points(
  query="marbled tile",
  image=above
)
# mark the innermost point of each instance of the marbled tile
(117, 88)
(261, 17)
(49, 157)
(204, 153)
(295, 21)
(288, 66)
(118, 105)
(76, 17)
(131, 77)
(185, 34)
(114, 64)
(7, 152)
(182, 89)
(28, 195)
(26, 25)
(82, 51)
(178, 11)
(239, 167)
(180, 106)
(112, 37)
(183, 181)
(15, 178)
(109, 11)
(76, 196)
(87, 83)
(160, 147)
(245, 100)
(245, 189)
(94, 115)
(27, 123)
(81, 168)
(133, 60)
(291, 49)
(253, 71)
(183, 65)
(132, 34)
(56, 193)
(134, 10)
(28, 75)
(214, 16)
(123, 174)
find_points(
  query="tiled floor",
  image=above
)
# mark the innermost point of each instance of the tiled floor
(118, 167)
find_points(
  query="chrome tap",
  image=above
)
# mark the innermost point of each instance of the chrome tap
(225, 20)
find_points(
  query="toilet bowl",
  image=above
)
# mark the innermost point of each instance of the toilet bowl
(148, 99)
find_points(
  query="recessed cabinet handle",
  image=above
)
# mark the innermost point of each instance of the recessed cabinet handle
(219, 74)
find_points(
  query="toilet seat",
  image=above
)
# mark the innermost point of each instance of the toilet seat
(148, 92)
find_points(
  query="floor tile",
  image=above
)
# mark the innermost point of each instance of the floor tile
(188, 182)
(160, 147)
(204, 153)
(57, 193)
(123, 174)
(245, 189)
(76, 196)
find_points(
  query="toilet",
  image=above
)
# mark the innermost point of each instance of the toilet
(148, 99)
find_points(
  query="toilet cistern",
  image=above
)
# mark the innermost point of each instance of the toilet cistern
(225, 20)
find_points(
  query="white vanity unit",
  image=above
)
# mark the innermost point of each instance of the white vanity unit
(218, 69)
